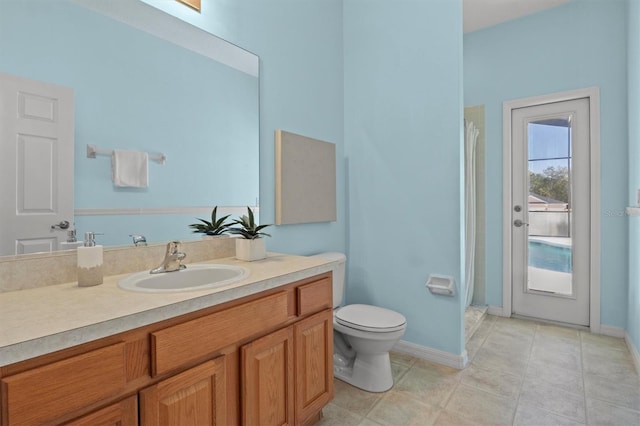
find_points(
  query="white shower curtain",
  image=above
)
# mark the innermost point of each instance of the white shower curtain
(470, 139)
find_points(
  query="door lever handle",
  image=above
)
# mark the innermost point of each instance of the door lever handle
(62, 225)
(518, 223)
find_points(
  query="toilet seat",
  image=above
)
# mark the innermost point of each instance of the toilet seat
(370, 318)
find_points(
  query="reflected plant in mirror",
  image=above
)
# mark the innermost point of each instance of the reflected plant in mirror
(214, 227)
(156, 84)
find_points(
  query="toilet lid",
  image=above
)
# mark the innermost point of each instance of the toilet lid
(370, 318)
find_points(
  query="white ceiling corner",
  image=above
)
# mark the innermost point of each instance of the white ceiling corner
(478, 14)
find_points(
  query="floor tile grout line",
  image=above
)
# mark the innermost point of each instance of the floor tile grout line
(553, 413)
(380, 397)
(606, 401)
(524, 376)
(491, 327)
(375, 404)
(583, 394)
(584, 385)
(583, 344)
(384, 394)
(448, 399)
(459, 382)
(613, 404)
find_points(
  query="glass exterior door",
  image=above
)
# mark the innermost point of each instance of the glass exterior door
(550, 216)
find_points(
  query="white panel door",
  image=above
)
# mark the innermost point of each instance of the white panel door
(551, 211)
(36, 163)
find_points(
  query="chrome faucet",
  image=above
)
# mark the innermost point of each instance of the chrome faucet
(172, 259)
(138, 240)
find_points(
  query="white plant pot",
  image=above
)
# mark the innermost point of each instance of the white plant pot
(250, 250)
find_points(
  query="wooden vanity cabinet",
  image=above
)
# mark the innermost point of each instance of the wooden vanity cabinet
(261, 360)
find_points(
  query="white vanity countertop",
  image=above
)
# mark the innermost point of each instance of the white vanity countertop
(38, 321)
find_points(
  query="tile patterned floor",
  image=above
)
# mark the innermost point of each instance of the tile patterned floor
(520, 373)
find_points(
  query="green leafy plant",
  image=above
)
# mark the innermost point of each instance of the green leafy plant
(214, 227)
(249, 229)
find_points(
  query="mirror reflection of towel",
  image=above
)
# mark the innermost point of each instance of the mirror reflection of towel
(130, 168)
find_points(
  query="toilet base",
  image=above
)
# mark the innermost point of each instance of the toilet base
(369, 372)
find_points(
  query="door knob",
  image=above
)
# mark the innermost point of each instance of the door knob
(518, 223)
(62, 225)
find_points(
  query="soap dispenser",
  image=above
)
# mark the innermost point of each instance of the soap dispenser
(89, 262)
(71, 242)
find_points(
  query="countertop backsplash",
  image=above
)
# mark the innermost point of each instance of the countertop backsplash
(44, 269)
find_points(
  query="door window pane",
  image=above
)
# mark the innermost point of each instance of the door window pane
(549, 141)
(549, 206)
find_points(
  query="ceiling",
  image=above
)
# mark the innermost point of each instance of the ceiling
(478, 14)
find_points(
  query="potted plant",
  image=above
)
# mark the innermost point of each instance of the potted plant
(215, 227)
(250, 246)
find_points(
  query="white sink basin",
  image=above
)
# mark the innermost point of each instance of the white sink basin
(194, 277)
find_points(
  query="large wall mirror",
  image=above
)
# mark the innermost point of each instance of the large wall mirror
(142, 80)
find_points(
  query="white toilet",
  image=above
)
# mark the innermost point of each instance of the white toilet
(363, 336)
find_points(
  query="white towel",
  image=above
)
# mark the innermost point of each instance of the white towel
(130, 168)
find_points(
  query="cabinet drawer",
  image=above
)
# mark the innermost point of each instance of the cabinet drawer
(123, 413)
(184, 343)
(48, 392)
(315, 296)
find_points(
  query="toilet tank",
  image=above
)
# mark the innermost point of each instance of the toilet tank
(338, 274)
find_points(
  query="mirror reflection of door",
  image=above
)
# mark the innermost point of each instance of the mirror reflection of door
(36, 157)
(550, 215)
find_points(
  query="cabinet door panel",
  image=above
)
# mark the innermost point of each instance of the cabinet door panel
(267, 380)
(194, 397)
(314, 364)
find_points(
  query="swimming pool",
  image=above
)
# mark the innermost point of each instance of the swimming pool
(548, 256)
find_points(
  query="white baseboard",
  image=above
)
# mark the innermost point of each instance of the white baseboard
(496, 311)
(430, 354)
(609, 330)
(634, 352)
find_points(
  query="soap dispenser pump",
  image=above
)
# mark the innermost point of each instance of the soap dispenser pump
(89, 262)
(71, 242)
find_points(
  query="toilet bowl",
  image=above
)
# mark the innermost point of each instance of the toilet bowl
(363, 336)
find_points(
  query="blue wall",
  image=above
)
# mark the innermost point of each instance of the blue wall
(633, 59)
(301, 70)
(576, 45)
(403, 115)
